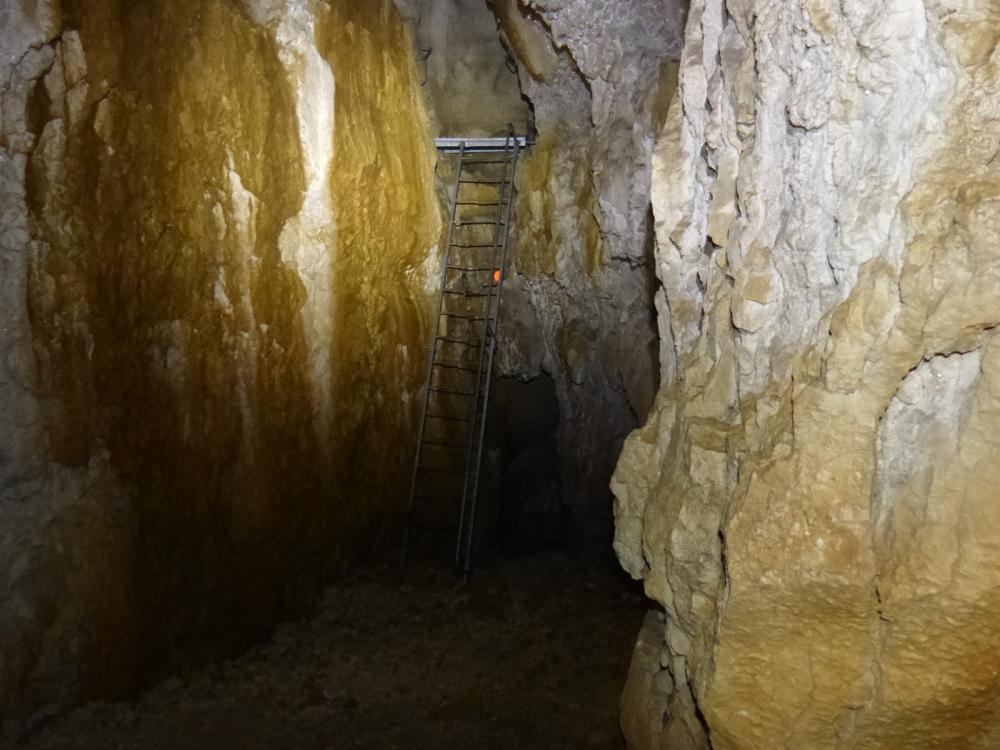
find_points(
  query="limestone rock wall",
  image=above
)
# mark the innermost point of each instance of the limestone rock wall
(217, 233)
(813, 500)
(469, 81)
(578, 305)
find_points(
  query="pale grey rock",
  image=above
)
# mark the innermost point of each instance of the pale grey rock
(579, 305)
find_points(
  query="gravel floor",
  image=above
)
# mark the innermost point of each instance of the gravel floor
(530, 654)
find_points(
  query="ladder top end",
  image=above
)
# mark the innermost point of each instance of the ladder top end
(480, 145)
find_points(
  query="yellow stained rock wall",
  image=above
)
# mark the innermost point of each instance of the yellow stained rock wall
(387, 216)
(224, 223)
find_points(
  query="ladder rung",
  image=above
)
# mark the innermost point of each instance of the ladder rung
(484, 181)
(428, 530)
(467, 294)
(456, 366)
(455, 419)
(454, 340)
(492, 222)
(481, 205)
(441, 444)
(463, 317)
(453, 392)
(488, 161)
(472, 268)
(482, 244)
(441, 471)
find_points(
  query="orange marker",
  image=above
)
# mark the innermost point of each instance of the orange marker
(496, 276)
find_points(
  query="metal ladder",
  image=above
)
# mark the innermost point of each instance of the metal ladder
(445, 483)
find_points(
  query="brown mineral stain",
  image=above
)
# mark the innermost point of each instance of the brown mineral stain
(174, 338)
(666, 90)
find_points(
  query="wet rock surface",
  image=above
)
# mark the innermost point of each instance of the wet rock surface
(530, 654)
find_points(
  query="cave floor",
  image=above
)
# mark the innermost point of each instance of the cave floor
(532, 653)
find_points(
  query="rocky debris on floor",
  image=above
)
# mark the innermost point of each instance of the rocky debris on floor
(530, 654)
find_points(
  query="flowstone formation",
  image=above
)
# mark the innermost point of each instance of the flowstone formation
(813, 500)
(216, 225)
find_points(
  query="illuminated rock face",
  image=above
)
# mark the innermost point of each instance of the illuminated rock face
(579, 305)
(813, 500)
(216, 225)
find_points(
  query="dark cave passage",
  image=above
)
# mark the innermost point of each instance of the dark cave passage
(524, 421)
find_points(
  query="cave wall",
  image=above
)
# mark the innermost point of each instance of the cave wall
(578, 304)
(468, 80)
(813, 499)
(217, 251)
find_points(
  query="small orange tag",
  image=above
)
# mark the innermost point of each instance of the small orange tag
(496, 276)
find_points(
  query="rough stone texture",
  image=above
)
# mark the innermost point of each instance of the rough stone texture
(419, 663)
(813, 498)
(469, 81)
(578, 305)
(214, 242)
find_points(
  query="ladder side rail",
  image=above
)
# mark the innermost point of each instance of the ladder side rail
(503, 220)
(470, 466)
(489, 371)
(433, 357)
(503, 199)
(504, 246)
